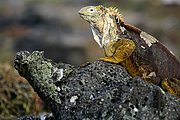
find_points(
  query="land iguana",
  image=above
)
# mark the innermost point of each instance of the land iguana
(140, 53)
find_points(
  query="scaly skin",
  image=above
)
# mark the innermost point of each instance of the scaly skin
(140, 53)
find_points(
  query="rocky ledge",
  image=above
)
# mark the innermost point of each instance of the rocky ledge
(94, 91)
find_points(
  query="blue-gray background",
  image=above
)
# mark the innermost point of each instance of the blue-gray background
(55, 27)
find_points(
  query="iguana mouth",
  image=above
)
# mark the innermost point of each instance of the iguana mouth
(82, 15)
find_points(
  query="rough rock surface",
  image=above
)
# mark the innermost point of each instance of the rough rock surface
(95, 91)
(43, 116)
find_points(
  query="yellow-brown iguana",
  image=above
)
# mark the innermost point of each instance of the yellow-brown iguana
(140, 53)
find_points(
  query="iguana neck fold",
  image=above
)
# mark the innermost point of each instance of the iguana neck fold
(106, 32)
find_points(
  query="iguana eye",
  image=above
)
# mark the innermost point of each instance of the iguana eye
(92, 10)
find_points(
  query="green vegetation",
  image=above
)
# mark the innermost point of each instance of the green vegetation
(17, 98)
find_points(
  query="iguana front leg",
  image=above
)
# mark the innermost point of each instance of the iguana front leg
(120, 51)
(172, 86)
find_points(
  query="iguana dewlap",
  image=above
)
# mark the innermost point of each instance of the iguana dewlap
(140, 53)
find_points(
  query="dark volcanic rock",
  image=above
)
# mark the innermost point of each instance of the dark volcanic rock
(98, 90)
(43, 116)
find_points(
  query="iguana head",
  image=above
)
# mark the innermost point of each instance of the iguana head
(103, 22)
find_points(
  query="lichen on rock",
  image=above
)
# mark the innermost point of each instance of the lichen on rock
(97, 90)
(40, 73)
